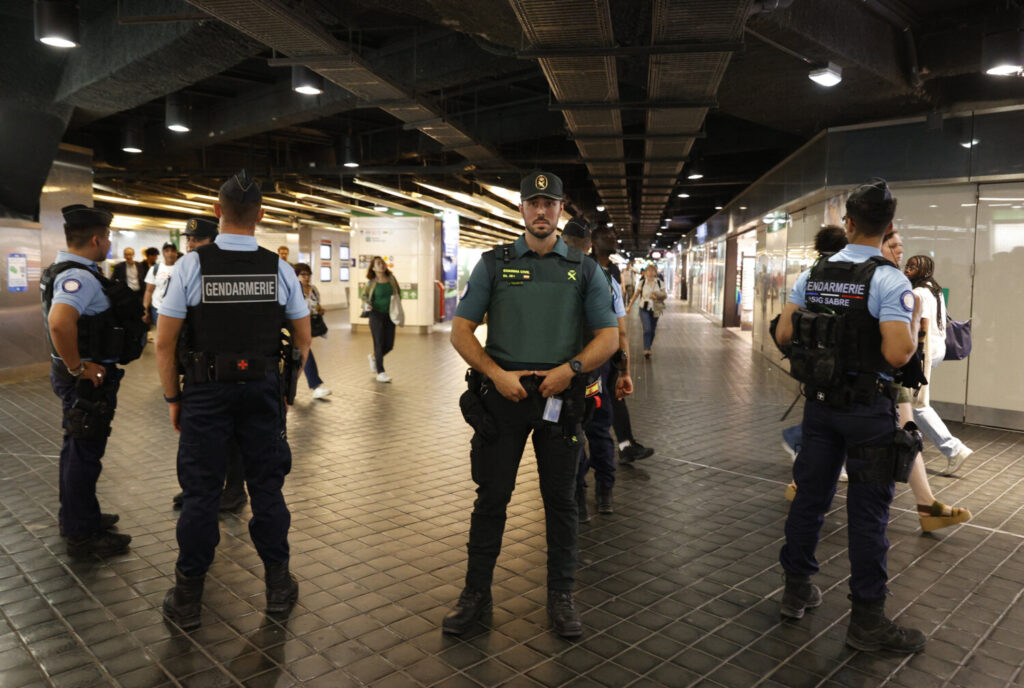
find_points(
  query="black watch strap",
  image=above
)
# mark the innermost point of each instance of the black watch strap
(172, 400)
(576, 365)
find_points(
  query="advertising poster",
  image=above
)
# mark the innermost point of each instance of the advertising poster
(17, 272)
(450, 261)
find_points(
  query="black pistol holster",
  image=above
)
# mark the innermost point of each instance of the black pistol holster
(888, 462)
(471, 404)
(89, 418)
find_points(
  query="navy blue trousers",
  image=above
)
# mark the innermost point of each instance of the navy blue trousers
(212, 414)
(80, 458)
(828, 433)
(601, 454)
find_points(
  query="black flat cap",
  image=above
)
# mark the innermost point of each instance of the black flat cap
(540, 184)
(79, 215)
(242, 188)
(201, 227)
(577, 227)
(875, 190)
(168, 245)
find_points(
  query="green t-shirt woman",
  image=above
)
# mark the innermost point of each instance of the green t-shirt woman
(380, 286)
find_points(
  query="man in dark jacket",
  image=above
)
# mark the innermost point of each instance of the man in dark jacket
(131, 273)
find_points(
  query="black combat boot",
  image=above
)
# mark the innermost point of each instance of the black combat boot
(800, 594)
(565, 620)
(282, 588)
(870, 630)
(183, 602)
(581, 503)
(101, 544)
(604, 501)
(471, 606)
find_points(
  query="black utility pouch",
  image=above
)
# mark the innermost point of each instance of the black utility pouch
(235, 368)
(907, 444)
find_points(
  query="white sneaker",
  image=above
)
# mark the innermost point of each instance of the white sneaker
(321, 392)
(383, 377)
(843, 477)
(373, 363)
(953, 464)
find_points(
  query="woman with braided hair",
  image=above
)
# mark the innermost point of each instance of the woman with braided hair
(920, 271)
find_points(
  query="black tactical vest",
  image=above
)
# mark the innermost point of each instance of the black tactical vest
(116, 334)
(238, 310)
(835, 335)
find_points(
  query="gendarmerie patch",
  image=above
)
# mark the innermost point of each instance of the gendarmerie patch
(516, 276)
(239, 288)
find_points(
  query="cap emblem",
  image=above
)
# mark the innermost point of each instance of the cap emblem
(192, 225)
(541, 182)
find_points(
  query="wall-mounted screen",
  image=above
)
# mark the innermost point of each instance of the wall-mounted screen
(325, 250)
(325, 273)
(343, 274)
(343, 253)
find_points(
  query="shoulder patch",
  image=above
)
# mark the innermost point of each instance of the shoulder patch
(71, 285)
(907, 301)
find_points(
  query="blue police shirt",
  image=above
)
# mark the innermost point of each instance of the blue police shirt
(890, 297)
(75, 287)
(185, 287)
(620, 310)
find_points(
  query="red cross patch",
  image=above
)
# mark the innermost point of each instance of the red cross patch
(242, 364)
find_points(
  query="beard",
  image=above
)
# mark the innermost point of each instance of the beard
(542, 231)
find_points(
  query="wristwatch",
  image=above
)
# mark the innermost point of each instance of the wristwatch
(576, 366)
(77, 372)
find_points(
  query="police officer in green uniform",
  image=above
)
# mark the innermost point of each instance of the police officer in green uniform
(537, 294)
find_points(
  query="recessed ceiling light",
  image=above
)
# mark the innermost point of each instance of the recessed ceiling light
(933, 206)
(743, 207)
(970, 144)
(684, 195)
(609, 224)
(600, 208)
(718, 207)
(56, 23)
(657, 234)
(306, 82)
(827, 75)
(695, 175)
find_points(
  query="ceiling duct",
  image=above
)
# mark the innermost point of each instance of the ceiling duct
(289, 32)
(682, 77)
(584, 79)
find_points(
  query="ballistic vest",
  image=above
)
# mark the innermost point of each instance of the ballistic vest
(238, 310)
(535, 315)
(836, 335)
(116, 334)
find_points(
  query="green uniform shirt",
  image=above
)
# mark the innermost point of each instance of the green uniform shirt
(537, 305)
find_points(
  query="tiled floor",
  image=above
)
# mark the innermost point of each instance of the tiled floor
(678, 588)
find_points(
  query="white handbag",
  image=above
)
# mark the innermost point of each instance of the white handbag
(395, 311)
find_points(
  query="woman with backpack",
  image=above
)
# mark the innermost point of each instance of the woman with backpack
(652, 295)
(920, 271)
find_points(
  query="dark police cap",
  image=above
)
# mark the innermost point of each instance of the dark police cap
(540, 184)
(201, 228)
(79, 215)
(874, 191)
(577, 227)
(242, 188)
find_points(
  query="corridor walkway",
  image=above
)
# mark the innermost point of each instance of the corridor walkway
(679, 587)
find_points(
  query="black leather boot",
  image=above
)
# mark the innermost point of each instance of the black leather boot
(870, 630)
(183, 602)
(800, 594)
(471, 606)
(581, 503)
(282, 588)
(604, 501)
(565, 620)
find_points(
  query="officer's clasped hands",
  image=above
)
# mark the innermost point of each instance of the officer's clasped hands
(508, 385)
(555, 380)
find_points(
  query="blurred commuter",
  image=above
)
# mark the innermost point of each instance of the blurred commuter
(381, 288)
(650, 291)
(316, 316)
(131, 273)
(157, 279)
(283, 252)
(920, 271)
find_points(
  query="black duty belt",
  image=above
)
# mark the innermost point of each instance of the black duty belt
(200, 367)
(863, 388)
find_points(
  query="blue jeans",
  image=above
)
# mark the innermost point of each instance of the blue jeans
(650, 324)
(936, 431)
(828, 433)
(311, 371)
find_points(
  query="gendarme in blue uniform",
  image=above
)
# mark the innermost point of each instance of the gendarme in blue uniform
(828, 434)
(215, 410)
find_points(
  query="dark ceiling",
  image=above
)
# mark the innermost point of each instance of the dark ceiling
(461, 92)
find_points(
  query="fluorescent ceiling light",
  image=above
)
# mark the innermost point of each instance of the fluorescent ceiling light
(718, 207)
(600, 208)
(828, 75)
(683, 195)
(380, 208)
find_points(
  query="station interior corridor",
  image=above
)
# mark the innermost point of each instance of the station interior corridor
(679, 587)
